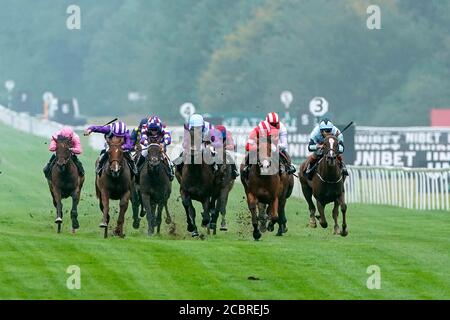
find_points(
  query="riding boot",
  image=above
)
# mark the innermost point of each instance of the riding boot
(344, 169)
(101, 162)
(234, 171)
(131, 163)
(79, 165)
(47, 169)
(290, 168)
(310, 170)
(169, 165)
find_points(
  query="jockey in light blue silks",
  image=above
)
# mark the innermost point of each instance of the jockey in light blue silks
(155, 131)
(317, 137)
(208, 134)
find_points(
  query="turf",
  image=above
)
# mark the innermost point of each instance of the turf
(410, 247)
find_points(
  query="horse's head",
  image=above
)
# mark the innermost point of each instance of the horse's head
(155, 155)
(331, 149)
(63, 153)
(115, 153)
(267, 150)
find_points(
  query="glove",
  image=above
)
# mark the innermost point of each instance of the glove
(341, 148)
(273, 147)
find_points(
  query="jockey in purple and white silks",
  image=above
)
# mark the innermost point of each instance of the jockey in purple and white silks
(155, 131)
(116, 129)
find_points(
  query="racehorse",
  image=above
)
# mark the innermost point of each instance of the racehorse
(115, 182)
(224, 181)
(266, 185)
(155, 189)
(197, 183)
(65, 182)
(327, 185)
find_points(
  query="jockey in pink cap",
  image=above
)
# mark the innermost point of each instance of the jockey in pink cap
(76, 149)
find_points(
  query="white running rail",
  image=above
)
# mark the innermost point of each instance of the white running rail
(412, 188)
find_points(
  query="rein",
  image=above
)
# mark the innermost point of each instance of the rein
(331, 182)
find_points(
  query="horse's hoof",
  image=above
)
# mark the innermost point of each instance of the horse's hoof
(75, 224)
(58, 220)
(324, 225)
(103, 225)
(344, 233)
(285, 229)
(194, 234)
(73, 231)
(336, 231)
(279, 233)
(256, 235)
(142, 214)
(168, 220)
(222, 228)
(136, 223)
(270, 227)
(313, 224)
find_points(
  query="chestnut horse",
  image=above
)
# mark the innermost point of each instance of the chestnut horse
(115, 182)
(266, 185)
(65, 182)
(196, 179)
(327, 186)
(155, 189)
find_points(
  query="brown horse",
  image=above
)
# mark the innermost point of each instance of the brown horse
(265, 185)
(65, 182)
(115, 182)
(155, 189)
(327, 186)
(196, 179)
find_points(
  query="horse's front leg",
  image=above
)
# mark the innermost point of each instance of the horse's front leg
(123, 209)
(322, 220)
(335, 217)
(307, 192)
(282, 228)
(159, 217)
(343, 205)
(214, 215)
(148, 209)
(74, 211)
(273, 214)
(190, 213)
(252, 202)
(206, 218)
(58, 201)
(104, 205)
(135, 205)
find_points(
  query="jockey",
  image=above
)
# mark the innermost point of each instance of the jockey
(154, 131)
(318, 135)
(76, 149)
(263, 129)
(137, 132)
(227, 143)
(117, 129)
(274, 120)
(208, 136)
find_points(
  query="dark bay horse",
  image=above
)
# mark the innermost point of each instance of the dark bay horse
(115, 182)
(197, 183)
(155, 189)
(265, 185)
(326, 186)
(224, 182)
(65, 182)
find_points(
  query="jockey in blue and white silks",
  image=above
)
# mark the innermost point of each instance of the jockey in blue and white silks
(317, 137)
